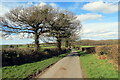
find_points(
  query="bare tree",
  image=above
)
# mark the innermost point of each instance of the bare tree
(41, 19)
(28, 20)
(63, 26)
(75, 34)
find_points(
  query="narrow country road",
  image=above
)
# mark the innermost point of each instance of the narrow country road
(68, 67)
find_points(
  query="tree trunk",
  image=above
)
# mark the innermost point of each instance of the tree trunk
(69, 45)
(66, 43)
(59, 43)
(36, 38)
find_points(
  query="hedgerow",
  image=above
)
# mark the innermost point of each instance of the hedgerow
(17, 56)
(111, 51)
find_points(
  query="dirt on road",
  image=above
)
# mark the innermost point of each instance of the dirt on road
(68, 67)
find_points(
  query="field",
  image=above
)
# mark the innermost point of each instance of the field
(86, 46)
(25, 46)
(25, 70)
(30, 46)
(96, 68)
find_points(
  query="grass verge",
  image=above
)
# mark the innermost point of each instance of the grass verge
(0, 73)
(96, 68)
(25, 70)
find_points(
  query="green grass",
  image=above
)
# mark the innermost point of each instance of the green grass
(45, 47)
(96, 68)
(42, 47)
(0, 72)
(86, 46)
(22, 46)
(23, 71)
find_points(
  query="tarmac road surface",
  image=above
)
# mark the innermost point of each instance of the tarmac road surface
(68, 67)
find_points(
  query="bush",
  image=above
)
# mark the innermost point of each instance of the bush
(111, 51)
(20, 56)
(101, 50)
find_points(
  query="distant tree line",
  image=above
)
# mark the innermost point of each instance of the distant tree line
(96, 42)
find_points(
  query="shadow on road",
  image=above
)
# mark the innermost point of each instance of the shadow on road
(73, 54)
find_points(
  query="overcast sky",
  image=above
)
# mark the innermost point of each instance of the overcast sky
(99, 19)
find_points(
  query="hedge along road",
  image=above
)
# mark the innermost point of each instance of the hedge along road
(68, 67)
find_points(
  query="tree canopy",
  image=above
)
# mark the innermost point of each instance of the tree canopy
(38, 20)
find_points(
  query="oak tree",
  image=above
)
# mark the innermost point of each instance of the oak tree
(28, 20)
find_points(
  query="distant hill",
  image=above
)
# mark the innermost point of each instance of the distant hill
(97, 42)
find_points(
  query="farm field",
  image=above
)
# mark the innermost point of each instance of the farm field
(26, 46)
(86, 46)
(23, 71)
(96, 68)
